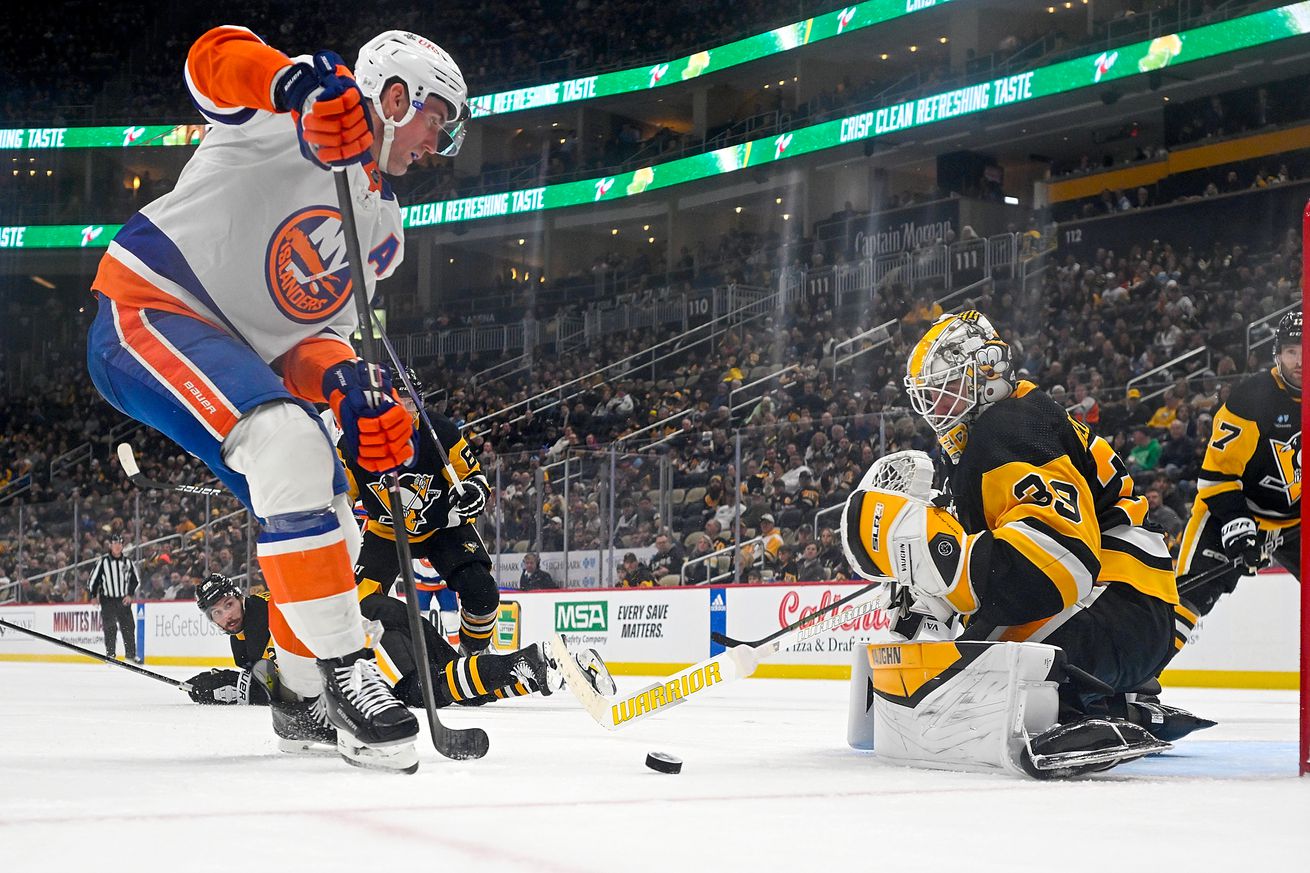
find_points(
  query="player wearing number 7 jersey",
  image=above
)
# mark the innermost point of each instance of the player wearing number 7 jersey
(224, 313)
(1248, 499)
(1045, 543)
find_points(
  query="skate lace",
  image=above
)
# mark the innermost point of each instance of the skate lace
(369, 692)
(318, 711)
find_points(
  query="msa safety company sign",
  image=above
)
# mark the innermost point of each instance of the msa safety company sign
(588, 616)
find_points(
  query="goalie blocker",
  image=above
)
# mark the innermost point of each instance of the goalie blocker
(982, 707)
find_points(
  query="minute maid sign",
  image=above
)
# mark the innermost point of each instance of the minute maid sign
(573, 616)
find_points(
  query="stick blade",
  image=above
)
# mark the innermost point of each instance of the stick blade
(460, 744)
(128, 460)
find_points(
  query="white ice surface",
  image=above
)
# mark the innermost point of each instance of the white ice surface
(104, 770)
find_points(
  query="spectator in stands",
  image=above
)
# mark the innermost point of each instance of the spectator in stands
(783, 567)
(811, 568)
(1164, 518)
(1144, 456)
(699, 572)
(1178, 454)
(1165, 413)
(533, 578)
(667, 560)
(1085, 408)
(635, 574)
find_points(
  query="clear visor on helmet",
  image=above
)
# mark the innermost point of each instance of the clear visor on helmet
(452, 134)
(943, 397)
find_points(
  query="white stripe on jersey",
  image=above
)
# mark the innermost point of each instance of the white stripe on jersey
(210, 388)
(159, 377)
(168, 286)
(1059, 554)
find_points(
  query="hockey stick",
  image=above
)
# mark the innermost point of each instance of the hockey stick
(185, 686)
(1193, 582)
(460, 744)
(457, 483)
(127, 458)
(737, 662)
(862, 609)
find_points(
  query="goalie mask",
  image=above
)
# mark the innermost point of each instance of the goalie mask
(956, 370)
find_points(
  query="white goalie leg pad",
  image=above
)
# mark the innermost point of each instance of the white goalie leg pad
(952, 705)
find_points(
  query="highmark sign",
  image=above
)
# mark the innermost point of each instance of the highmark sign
(1143, 57)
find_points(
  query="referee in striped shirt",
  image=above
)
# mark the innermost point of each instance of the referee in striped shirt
(114, 581)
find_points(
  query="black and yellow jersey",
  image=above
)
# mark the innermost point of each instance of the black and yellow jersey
(423, 485)
(1058, 505)
(1252, 465)
(254, 642)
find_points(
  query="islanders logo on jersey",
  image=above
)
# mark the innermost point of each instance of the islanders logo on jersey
(306, 267)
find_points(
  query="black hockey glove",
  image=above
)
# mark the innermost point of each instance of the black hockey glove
(1241, 543)
(474, 499)
(216, 687)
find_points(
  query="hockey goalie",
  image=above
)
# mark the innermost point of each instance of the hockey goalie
(1036, 608)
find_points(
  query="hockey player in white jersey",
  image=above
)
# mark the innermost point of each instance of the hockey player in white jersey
(224, 313)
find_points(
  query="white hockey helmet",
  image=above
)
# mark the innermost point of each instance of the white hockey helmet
(426, 70)
(959, 367)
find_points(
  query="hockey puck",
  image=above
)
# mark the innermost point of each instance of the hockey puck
(663, 763)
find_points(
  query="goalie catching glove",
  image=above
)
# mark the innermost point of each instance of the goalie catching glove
(923, 547)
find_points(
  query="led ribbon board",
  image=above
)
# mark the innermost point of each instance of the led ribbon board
(27, 138)
(743, 51)
(1139, 58)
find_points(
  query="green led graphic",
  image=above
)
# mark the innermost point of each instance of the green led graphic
(1143, 57)
(743, 51)
(752, 48)
(100, 137)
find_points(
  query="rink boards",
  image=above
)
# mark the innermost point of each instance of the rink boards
(1250, 641)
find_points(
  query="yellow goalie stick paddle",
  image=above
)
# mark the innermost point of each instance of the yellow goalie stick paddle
(737, 662)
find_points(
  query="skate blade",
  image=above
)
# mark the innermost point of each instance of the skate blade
(1114, 756)
(305, 747)
(393, 758)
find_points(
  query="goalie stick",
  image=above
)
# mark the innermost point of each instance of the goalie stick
(459, 744)
(185, 686)
(737, 662)
(127, 458)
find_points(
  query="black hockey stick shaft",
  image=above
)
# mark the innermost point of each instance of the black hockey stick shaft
(729, 642)
(1193, 582)
(459, 744)
(127, 458)
(456, 483)
(99, 657)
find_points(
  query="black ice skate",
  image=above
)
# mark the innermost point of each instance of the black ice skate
(1168, 723)
(303, 727)
(1088, 745)
(374, 729)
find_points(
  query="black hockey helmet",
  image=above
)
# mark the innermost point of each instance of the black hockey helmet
(1289, 332)
(215, 587)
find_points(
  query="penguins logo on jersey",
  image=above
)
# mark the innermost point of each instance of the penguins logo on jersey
(306, 267)
(416, 494)
(1287, 454)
